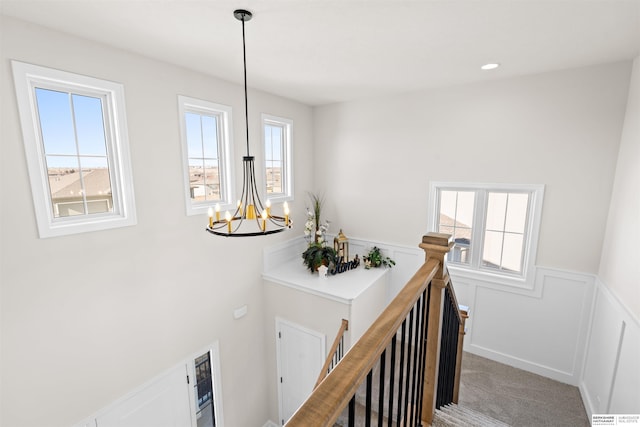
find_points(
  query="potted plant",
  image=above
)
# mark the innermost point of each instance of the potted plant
(317, 254)
(375, 259)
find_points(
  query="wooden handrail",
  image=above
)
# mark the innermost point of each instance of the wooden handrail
(344, 326)
(329, 399)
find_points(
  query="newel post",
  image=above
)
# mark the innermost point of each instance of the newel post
(436, 246)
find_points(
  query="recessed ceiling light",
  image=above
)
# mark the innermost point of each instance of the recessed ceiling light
(490, 66)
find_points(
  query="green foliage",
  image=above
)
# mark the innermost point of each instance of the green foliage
(375, 259)
(317, 255)
(317, 202)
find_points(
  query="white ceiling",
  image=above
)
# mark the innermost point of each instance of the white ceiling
(325, 51)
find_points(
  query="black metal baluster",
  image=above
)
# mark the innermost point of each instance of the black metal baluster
(352, 411)
(367, 411)
(416, 343)
(423, 343)
(447, 382)
(409, 342)
(392, 372)
(417, 361)
(443, 356)
(383, 358)
(401, 376)
(454, 349)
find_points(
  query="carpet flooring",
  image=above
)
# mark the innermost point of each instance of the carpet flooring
(517, 397)
(461, 416)
(509, 395)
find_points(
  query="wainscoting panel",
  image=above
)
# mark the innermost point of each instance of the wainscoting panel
(542, 329)
(280, 253)
(611, 378)
(407, 263)
(542, 332)
(625, 396)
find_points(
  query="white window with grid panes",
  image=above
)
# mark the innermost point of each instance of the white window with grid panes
(206, 152)
(494, 227)
(277, 142)
(75, 138)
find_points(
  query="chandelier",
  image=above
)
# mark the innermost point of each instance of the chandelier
(251, 217)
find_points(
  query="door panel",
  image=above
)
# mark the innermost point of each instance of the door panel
(300, 354)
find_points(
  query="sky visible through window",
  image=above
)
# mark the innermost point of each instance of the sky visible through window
(73, 137)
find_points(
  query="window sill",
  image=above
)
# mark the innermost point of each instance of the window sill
(65, 227)
(502, 281)
(279, 199)
(203, 208)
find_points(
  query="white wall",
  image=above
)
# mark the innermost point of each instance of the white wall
(619, 266)
(87, 318)
(611, 378)
(376, 157)
(560, 129)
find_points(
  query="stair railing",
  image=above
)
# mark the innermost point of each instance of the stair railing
(407, 336)
(335, 353)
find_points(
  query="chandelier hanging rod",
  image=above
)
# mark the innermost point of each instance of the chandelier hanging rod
(243, 16)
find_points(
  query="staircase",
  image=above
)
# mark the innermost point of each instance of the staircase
(459, 416)
(407, 363)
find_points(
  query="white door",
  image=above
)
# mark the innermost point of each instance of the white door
(162, 403)
(300, 353)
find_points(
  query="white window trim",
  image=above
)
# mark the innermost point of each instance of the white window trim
(526, 279)
(27, 77)
(216, 373)
(188, 104)
(287, 163)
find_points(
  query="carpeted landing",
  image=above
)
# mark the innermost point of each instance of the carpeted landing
(517, 397)
(494, 394)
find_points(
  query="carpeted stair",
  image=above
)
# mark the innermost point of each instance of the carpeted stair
(459, 416)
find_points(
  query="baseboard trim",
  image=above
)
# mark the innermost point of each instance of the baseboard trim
(586, 401)
(270, 424)
(525, 365)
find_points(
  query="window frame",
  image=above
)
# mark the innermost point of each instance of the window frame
(287, 161)
(475, 270)
(28, 77)
(188, 104)
(216, 373)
